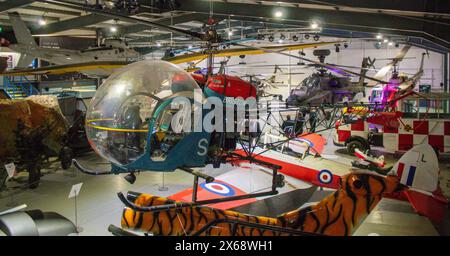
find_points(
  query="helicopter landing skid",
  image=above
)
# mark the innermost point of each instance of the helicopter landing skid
(87, 170)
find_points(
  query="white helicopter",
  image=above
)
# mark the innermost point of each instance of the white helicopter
(112, 51)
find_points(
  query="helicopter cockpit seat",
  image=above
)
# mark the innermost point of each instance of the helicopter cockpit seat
(164, 138)
(127, 146)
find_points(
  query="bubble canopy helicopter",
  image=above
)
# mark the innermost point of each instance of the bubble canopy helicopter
(129, 121)
(145, 118)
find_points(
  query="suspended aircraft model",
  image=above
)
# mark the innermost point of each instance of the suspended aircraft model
(399, 85)
(130, 123)
(103, 60)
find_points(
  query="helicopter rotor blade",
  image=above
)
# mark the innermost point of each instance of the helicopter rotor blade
(399, 57)
(352, 67)
(332, 68)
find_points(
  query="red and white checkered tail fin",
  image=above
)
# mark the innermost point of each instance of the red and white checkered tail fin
(418, 168)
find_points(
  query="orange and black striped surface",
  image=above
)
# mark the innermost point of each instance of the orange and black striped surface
(338, 214)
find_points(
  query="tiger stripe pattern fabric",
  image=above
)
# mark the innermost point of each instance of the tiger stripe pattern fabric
(338, 214)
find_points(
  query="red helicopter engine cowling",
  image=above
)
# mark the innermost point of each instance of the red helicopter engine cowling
(199, 78)
(235, 87)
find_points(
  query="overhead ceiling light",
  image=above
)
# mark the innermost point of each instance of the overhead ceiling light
(278, 14)
(280, 41)
(306, 36)
(316, 38)
(282, 37)
(295, 38)
(385, 41)
(113, 29)
(42, 22)
(390, 43)
(230, 33)
(190, 47)
(271, 38)
(379, 36)
(314, 25)
(158, 44)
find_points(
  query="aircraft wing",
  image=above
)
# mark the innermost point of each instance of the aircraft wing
(298, 170)
(315, 141)
(243, 179)
(244, 51)
(61, 69)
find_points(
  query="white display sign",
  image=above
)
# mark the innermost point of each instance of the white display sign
(10, 169)
(75, 190)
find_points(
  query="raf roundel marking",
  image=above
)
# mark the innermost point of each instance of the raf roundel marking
(218, 188)
(325, 177)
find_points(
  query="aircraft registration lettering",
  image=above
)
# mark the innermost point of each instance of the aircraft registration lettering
(203, 147)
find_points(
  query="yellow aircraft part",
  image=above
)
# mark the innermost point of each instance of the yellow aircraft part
(105, 128)
(243, 51)
(105, 65)
(356, 110)
(62, 69)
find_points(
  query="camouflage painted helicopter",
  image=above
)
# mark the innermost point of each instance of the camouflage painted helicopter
(325, 87)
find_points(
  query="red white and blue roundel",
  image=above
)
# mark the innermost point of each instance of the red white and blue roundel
(325, 177)
(218, 188)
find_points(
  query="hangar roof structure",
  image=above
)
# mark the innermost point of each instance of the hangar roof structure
(417, 22)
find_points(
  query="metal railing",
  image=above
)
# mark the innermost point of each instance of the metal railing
(19, 85)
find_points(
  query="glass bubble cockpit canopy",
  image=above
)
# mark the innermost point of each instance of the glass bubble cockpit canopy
(118, 119)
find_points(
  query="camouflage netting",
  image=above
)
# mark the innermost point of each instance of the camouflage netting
(39, 114)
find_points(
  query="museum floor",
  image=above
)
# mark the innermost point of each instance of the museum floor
(98, 205)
